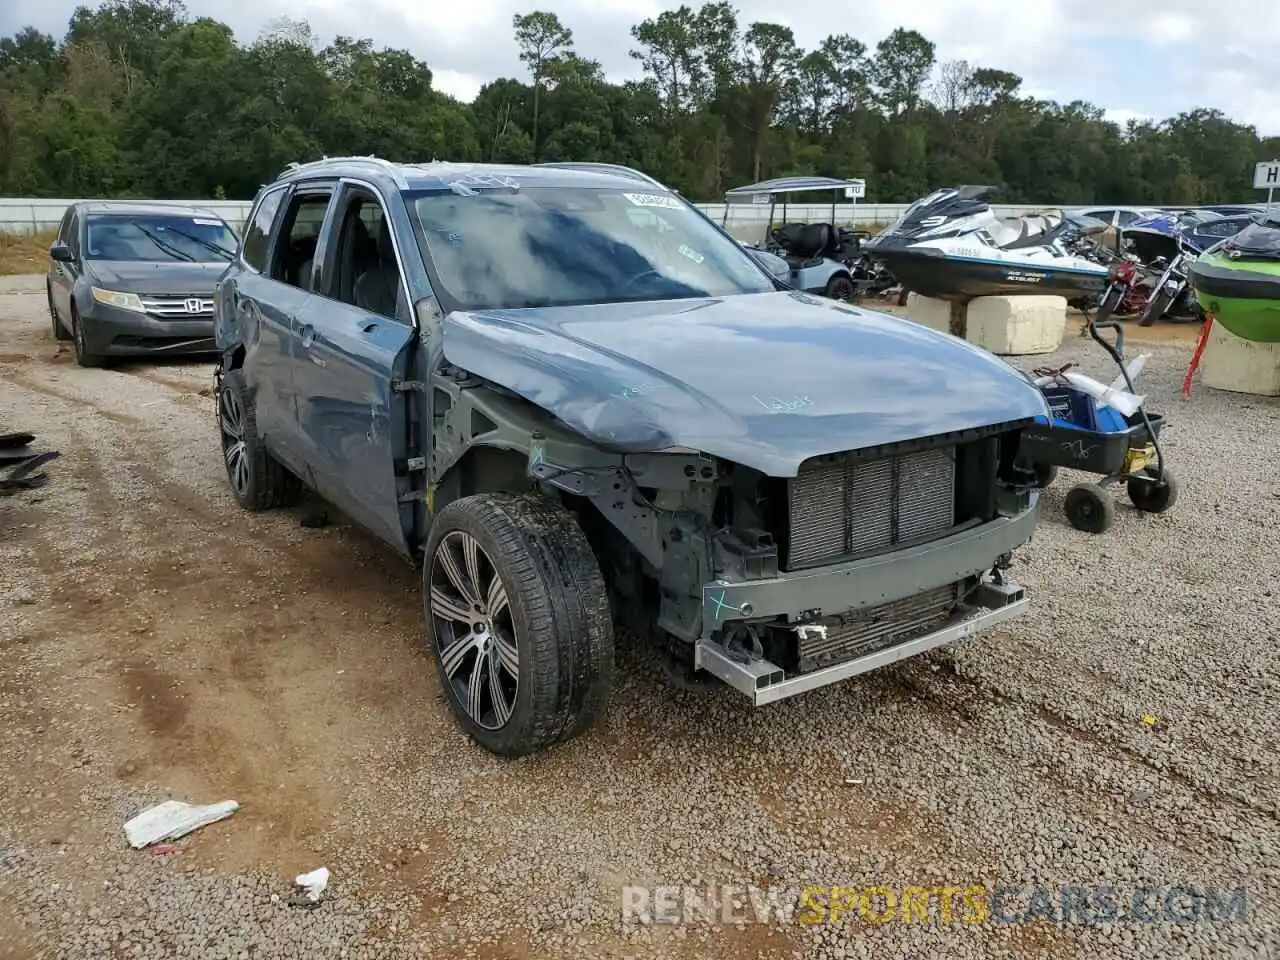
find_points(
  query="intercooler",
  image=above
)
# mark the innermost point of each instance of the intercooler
(876, 628)
(855, 507)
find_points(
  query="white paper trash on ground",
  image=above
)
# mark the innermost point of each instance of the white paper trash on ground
(173, 819)
(314, 882)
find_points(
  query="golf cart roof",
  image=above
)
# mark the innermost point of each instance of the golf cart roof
(771, 188)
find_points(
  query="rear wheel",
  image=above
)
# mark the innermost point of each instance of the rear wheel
(83, 355)
(518, 620)
(59, 332)
(1152, 493)
(1045, 473)
(258, 480)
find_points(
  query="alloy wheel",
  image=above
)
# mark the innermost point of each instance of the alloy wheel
(231, 423)
(474, 630)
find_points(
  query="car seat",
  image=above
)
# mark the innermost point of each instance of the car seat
(377, 289)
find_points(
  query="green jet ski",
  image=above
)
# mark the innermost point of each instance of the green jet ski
(1237, 282)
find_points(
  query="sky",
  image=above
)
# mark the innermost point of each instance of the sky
(1144, 58)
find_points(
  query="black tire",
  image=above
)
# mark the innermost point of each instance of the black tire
(1153, 495)
(1045, 473)
(1156, 307)
(840, 287)
(1089, 508)
(553, 613)
(59, 332)
(83, 356)
(258, 481)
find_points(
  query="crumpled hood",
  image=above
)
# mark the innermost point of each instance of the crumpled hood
(766, 380)
(173, 277)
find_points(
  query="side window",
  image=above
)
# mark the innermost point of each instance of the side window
(365, 271)
(295, 249)
(1128, 216)
(253, 249)
(1106, 216)
(64, 228)
(1222, 228)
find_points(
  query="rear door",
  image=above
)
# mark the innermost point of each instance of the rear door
(354, 340)
(269, 298)
(243, 314)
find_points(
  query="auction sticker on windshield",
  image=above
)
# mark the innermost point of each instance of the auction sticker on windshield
(653, 200)
(206, 223)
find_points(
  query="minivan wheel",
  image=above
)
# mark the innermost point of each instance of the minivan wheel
(518, 621)
(258, 480)
(83, 356)
(59, 333)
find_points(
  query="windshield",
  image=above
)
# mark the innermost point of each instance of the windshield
(546, 246)
(158, 237)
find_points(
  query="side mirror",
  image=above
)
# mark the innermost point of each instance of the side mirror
(61, 252)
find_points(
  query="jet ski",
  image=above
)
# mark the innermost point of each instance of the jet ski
(1237, 282)
(951, 245)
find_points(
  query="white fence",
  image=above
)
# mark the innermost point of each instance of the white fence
(20, 215)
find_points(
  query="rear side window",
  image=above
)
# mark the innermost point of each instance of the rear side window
(254, 249)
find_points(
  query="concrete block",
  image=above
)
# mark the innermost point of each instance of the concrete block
(928, 312)
(1008, 326)
(1017, 326)
(1241, 366)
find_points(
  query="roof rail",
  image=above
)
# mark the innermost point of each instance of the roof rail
(382, 164)
(617, 168)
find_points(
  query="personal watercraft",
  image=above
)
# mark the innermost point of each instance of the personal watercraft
(1237, 282)
(952, 246)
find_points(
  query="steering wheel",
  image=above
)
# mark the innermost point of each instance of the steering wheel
(628, 284)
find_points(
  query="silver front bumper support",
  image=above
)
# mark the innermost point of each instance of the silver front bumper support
(766, 682)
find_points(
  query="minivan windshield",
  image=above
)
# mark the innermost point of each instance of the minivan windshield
(549, 246)
(158, 237)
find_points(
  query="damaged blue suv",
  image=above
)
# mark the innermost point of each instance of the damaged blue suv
(577, 402)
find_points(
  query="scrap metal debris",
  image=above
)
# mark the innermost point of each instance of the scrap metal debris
(19, 465)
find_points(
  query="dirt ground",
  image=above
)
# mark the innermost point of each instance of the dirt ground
(156, 641)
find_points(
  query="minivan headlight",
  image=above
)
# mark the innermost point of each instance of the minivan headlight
(118, 298)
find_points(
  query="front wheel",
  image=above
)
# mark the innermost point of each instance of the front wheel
(518, 621)
(1089, 508)
(1156, 306)
(59, 332)
(840, 287)
(258, 480)
(84, 356)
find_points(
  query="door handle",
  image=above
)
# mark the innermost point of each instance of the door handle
(368, 326)
(307, 334)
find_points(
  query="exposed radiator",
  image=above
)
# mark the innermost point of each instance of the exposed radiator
(838, 510)
(877, 628)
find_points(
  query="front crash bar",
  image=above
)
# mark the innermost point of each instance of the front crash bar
(766, 682)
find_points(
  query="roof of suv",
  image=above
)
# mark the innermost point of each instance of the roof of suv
(440, 175)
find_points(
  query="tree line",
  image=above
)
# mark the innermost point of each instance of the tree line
(139, 99)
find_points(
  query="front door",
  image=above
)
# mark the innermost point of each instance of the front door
(354, 339)
(63, 275)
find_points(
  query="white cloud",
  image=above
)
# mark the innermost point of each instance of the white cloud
(1148, 59)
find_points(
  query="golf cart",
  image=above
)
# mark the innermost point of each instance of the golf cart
(823, 258)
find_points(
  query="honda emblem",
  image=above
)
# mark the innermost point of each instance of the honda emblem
(194, 305)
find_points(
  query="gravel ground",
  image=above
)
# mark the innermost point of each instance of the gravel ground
(158, 642)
